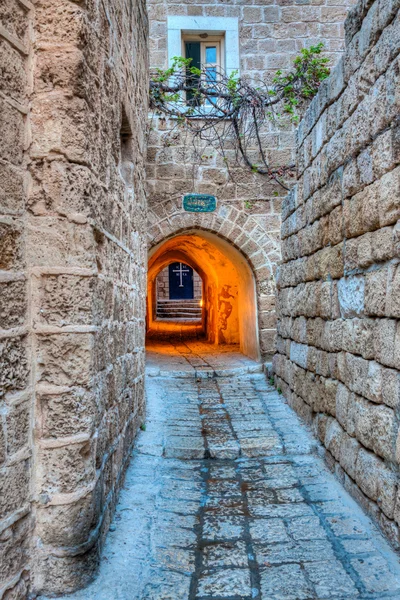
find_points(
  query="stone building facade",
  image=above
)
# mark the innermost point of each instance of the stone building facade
(260, 37)
(73, 95)
(338, 359)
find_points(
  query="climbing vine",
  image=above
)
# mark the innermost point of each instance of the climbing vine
(230, 113)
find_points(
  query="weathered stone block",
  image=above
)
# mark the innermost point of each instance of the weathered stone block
(68, 189)
(66, 573)
(66, 24)
(391, 388)
(14, 366)
(65, 469)
(66, 300)
(333, 438)
(389, 198)
(267, 341)
(14, 77)
(11, 246)
(349, 449)
(385, 334)
(375, 292)
(68, 524)
(14, 18)
(3, 451)
(12, 193)
(62, 125)
(355, 373)
(12, 141)
(351, 296)
(373, 384)
(60, 243)
(65, 359)
(14, 553)
(376, 481)
(342, 405)
(18, 427)
(66, 414)
(14, 487)
(66, 69)
(392, 307)
(13, 304)
(298, 354)
(376, 428)
(358, 337)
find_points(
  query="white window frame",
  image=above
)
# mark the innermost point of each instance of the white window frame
(218, 64)
(212, 41)
(225, 28)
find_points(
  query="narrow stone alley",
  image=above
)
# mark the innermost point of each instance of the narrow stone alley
(227, 497)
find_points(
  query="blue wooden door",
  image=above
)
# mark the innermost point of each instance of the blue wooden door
(180, 281)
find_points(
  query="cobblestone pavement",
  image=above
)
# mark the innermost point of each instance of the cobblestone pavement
(226, 498)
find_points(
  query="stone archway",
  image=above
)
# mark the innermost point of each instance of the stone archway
(230, 311)
(244, 233)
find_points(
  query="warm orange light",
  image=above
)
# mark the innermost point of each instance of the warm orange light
(201, 302)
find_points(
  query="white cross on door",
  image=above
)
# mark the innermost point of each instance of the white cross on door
(183, 269)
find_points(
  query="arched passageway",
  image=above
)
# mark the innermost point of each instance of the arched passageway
(229, 306)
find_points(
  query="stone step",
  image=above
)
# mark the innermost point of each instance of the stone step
(184, 311)
(174, 304)
(190, 320)
(179, 316)
(179, 310)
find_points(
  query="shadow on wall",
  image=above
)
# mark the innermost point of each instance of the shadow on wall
(229, 290)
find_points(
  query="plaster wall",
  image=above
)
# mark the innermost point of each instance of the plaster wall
(338, 300)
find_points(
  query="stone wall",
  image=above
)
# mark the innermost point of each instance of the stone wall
(338, 360)
(72, 273)
(16, 402)
(271, 33)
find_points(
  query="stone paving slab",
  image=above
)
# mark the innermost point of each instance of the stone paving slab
(227, 499)
(196, 358)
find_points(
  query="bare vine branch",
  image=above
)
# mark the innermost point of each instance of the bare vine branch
(228, 111)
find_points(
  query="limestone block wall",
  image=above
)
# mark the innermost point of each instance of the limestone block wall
(16, 405)
(271, 33)
(338, 360)
(72, 273)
